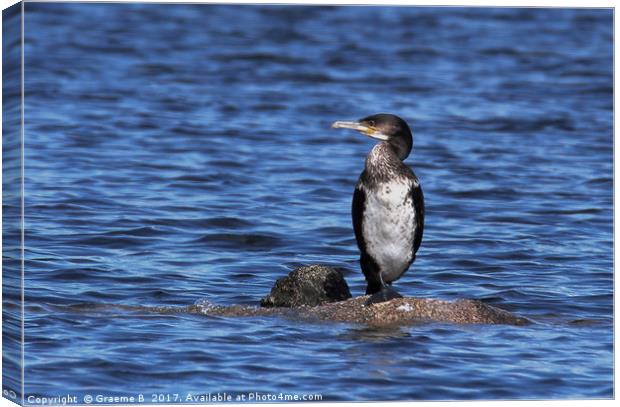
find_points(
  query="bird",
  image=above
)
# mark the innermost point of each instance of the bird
(388, 205)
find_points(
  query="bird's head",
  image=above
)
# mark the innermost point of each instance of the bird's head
(384, 127)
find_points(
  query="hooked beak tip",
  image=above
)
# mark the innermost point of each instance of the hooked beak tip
(362, 128)
(348, 125)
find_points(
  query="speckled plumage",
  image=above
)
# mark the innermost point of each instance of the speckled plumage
(388, 214)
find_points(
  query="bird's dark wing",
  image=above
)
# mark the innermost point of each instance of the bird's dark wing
(357, 211)
(418, 206)
(368, 265)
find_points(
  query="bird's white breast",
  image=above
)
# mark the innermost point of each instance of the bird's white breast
(388, 227)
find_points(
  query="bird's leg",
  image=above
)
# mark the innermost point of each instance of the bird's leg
(386, 293)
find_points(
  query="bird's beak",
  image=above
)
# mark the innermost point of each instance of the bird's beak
(365, 129)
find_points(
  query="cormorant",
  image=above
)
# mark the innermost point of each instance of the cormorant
(388, 205)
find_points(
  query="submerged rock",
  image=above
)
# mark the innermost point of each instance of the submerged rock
(309, 285)
(394, 313)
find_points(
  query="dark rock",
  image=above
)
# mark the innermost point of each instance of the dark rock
(309, 285)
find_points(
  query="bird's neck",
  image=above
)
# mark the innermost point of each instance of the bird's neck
(383, 162)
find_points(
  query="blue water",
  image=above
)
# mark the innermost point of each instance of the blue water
(176, 153)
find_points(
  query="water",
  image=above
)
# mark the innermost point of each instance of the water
(176, 153)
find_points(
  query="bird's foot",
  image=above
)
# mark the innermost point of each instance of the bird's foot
(385, 294)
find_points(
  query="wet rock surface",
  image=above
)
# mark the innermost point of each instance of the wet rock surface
(399, 311)
(308, 285)
(320, 293)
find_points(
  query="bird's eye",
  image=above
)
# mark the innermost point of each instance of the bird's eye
(371, 123)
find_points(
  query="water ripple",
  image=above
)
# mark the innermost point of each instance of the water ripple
(177, 153)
